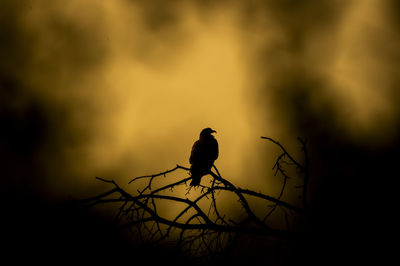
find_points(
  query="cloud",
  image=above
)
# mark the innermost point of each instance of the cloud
(122, 93)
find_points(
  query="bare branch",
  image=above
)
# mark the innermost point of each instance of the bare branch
(284, 151)
(199, 230)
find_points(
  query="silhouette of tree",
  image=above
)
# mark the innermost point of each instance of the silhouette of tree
(195, 229)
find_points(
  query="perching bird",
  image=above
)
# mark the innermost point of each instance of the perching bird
(204, 153)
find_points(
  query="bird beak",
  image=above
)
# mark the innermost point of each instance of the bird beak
(213, 131)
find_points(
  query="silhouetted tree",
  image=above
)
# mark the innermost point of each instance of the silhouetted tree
(196, 229)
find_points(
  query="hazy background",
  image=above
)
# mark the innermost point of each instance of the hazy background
(123, 88)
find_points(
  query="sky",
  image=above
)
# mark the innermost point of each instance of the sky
(119, 89)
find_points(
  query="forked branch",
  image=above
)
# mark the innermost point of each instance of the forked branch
(193, 227)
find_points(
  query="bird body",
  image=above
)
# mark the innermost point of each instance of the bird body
(204, 153)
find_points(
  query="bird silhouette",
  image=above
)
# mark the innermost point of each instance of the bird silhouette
(204, 153)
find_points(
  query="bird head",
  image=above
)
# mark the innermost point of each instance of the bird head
(207, 132)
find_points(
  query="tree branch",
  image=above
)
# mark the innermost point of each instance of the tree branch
(199, 229)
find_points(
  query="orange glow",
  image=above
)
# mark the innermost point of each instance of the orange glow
(136, 85)
(144, 103)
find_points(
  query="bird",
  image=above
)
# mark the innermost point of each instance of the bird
(204, 153)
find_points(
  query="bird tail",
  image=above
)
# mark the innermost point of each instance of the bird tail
(197, 173)
(195, 180)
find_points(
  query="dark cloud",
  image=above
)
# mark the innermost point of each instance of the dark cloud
(350, 171)
(39, 59)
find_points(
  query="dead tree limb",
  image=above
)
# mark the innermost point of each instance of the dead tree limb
(193, 227)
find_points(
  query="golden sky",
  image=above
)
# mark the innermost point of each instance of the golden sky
(125, 87)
